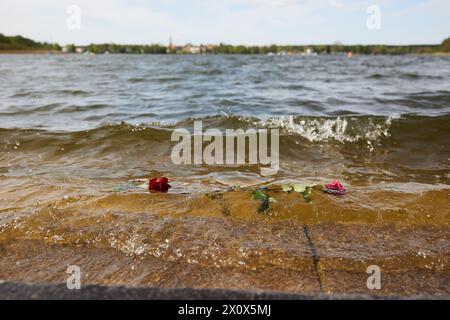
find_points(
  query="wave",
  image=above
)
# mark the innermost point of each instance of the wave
(337, 129)
(359, 149)
(341, 129)
(32, 110)
(55, 108)
(405, 76)
(419, 101)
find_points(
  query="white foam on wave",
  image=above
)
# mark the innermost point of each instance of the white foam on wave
(337, 129)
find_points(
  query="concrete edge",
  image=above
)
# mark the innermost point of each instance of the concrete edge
(44, 291)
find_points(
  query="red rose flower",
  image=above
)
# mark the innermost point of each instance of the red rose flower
(335, 188)
(161, 185)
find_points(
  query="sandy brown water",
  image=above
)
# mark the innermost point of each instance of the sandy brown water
(218, 239)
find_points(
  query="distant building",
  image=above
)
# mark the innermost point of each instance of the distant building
(189, 48)
(310, 52)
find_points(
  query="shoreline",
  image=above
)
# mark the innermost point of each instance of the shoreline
(28, 52)
(51, 52)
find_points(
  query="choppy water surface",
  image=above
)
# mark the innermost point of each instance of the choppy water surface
(79, 92)
(74, 130)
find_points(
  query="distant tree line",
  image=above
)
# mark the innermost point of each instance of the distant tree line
(445, 46)
(21, 43)
(119, 48)
(276, 49)
(357, 49)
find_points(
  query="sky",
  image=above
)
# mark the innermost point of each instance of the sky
(248, 22)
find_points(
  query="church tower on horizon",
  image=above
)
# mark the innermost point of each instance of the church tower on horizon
(171, 47)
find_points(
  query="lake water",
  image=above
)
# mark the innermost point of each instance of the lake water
(77, 92)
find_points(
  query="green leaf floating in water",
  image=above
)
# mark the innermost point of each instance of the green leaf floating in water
(302, 189)
(306, 194)
(297, 187)
(272, 200)
(260, 195)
